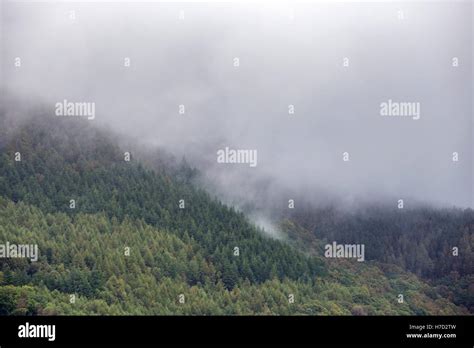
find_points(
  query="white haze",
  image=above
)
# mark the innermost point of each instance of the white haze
(282, 62)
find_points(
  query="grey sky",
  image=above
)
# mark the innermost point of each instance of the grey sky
(282, 62)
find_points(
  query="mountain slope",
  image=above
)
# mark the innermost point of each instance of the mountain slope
(85, 255)
(172, 251)
(435, 244)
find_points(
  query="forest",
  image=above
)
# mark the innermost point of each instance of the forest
(119, 237)
(435, 244)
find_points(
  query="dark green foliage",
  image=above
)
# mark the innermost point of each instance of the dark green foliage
(420, 240)
(172, 251)
(59, 164)
(85, 256)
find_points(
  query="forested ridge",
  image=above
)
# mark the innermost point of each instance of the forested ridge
(180, 260)
(419, 239)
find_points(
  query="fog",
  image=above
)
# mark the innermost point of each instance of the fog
(184, 54)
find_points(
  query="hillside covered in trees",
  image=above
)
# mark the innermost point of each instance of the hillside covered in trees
(143, 239)
(435, 244)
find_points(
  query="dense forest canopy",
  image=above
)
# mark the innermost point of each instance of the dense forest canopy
(139, 237)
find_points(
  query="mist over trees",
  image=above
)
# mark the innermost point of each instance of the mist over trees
(129, 247)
